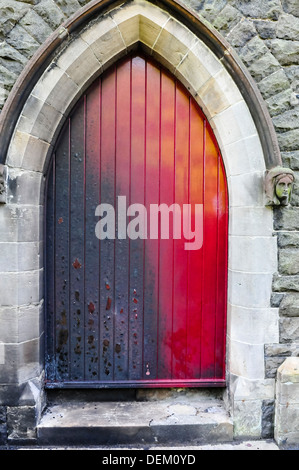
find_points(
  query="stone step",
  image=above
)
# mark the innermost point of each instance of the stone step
(175, 421)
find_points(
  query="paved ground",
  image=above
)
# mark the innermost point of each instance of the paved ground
(243, 445)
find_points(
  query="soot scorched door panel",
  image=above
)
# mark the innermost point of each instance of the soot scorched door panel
(136, 230)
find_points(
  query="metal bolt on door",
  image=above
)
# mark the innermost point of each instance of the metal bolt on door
(142, 312)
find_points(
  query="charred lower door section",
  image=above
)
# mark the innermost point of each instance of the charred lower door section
(136, 231)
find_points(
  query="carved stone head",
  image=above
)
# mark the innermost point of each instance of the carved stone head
(279, 184)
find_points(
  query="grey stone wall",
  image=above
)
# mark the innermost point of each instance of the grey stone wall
(265, 34)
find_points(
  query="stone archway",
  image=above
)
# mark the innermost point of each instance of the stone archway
(81, 57)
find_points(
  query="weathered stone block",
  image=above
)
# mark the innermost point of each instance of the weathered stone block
(11, 59)
(257, 9)
(286, 218)
(247, 417)
(286, 283)
(149, 30)
(209, 9)
(288, 27)
(247, 360)
(266, 29)
(7, 78)
(219, 93)
(21, 288)
(30, 320)
(50, 13)
(291, 6)
(291, 159)
(274, 84)
(287, 121)
(271, 366)
(20, 39)
(244, 389)
(263, 221)
(8, 328)
(233, 124)
(288, 392)
(28, 152)
(39, 119)
(288, 239)
(227, 19)
(253, 326)
(3, 426)
(36, 26)
(176, 40)
(238, 256)
(69, 7)
(286, 52)
(10, 13)
(276, 354)
(20, 324)
(245, 156)
(268, 411)
(289, 141)
(199, 75)
(289, 261)
(243, 32)
(281, 102)
(276, 299)
(289, 371)
(20, 256)
(22, 362)
(21, 424)
(65, 89)
(80, 62)
(289, 306)
(282, 350)
(292, 73)
(258, 58)
(250, 290)
(242, 193)
(3, 96)
(289, 330)
(287, 403)
(24, 187)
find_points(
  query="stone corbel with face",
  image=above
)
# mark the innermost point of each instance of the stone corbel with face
(2, 184)
(279, 185)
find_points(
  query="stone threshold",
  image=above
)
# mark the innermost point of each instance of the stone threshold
(180, 418)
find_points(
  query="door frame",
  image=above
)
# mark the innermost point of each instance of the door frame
(31, 121)
(219, 318)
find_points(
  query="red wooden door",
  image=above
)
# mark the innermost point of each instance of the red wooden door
(137, 307)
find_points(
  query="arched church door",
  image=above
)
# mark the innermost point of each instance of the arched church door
(136, 238)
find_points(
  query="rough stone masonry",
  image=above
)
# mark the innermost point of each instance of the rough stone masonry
(265, 34)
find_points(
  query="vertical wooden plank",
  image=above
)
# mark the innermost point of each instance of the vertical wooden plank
(92, 264)
(166, 196)
(179, 349)
(77, 232)
(123, 148)
(209, 272)
(151, 247)
(50, 363)
(137, 197)
(62, 266)
(220, 339)
(194, 294)
(107, 258)
(76, 243)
